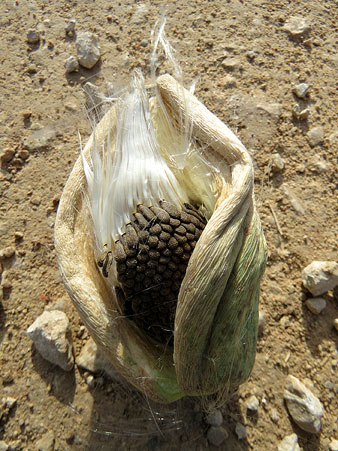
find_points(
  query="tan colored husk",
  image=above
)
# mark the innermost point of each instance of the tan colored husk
(216, 317)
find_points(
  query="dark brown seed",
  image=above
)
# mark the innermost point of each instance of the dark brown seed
(150, 273)
(170, 209)
(146, 212)
(119, 253)
(166, 253)
(153, 241)
(130, 273)
(174, 222)
(121, 268)
(167, 274)
(181, 239)
(155, 229)
(152, 264)
(166, 228)
(157, 278)
(161, 245)
(161, 214)
(172, 266)
(181, 230)
(142, 221)
(131, 262)
(154, 254)
(161, 268)
(190, 236)
(186, 247)
(172, 243)
(140, 268)
(143, 236)
(139, 277)
(178, 251)
(164, 236)
(131, 237)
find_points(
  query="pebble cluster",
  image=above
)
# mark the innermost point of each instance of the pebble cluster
(151, 260)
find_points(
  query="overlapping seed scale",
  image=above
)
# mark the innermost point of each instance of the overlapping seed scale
(151, 260)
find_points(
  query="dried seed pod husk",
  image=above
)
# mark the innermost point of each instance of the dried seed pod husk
(217, 308)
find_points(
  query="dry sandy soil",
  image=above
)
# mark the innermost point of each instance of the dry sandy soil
(42, 110)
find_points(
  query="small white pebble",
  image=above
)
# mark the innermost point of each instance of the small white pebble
(252, 404)
(301, 90)
(315, 136)
(71, 64)
(277, 162)
(316, 305)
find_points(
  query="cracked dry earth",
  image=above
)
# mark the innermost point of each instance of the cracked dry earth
(247, 65)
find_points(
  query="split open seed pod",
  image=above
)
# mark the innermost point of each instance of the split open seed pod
(124, 240)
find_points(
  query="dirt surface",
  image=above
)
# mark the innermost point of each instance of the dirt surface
(247, 66)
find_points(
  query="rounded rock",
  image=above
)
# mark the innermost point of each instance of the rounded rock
(320, 277)
(301, 90)
(88, 49)
(71, 64)
(217, 435)
(316, 305)
(215, 418)
(305, 409)
(315, 136)
(33, 36)
(252, 404)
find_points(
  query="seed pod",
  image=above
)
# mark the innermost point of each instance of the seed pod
(212, 253)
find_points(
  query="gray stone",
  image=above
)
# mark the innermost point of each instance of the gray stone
(289, 443)
(217, 435)
(240, 431)
(297, 26)
(301, 90)
(252, 404)
(88, 49)
(71, 64)
(333, 446)
(91, 359)
(277, 162)
(316, 305)
(315, 136)
(51, 335)
(70, 26)
(305, 409)
(215, 418)
(231, 64)
(300, 113)
(320, 277)
(33, 36)
(46, 442)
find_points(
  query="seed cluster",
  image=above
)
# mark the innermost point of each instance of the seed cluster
(151, 260)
